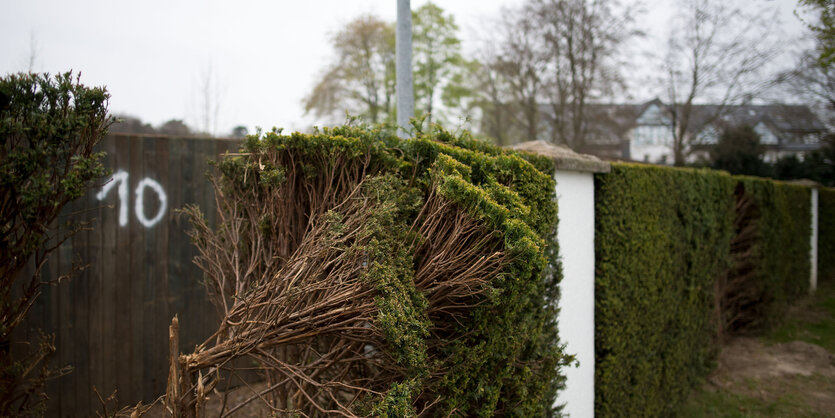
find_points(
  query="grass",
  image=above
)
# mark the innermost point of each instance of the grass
(788, 396)
(812, 320)
(734, 405)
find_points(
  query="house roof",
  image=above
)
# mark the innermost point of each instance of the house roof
(611, 122)
(779, 117)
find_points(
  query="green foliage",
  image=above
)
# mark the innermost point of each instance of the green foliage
(823, 28)
(818, 165)
(662, 236)
(790, 167)
(739, 152)
(361, 80)
(502, 189)
(781, 252)
(397, 402)
(725, 403)
(814, 324)
(503, 355)
(402, 308)
(826, 234)
(748, 393)
(48, 129)
(438, 64)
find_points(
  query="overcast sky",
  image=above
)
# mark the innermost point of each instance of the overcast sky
(151, 54)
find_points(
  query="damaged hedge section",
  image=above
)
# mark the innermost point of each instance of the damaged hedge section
(364, 274)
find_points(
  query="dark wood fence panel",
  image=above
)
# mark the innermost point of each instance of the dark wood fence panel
(111, 319)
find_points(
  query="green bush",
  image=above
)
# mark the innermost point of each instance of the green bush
(496, 352)
(49, 127)
(826, 234)
(781, 252)
(662, 236)
(668, 243)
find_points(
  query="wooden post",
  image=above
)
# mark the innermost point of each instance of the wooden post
(201, 396)
(172, 393)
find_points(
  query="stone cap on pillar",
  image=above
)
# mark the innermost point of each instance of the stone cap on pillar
(564, 158)
(806, 182)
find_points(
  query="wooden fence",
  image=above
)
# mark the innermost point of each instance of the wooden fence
(111, 319)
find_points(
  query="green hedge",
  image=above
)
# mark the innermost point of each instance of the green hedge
(783, 243)
(826, 234)
(662, 236)
(504, 356)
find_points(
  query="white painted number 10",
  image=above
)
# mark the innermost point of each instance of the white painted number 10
(121, 177)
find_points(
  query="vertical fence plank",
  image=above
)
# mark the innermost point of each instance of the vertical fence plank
(80, 306)
(109, 225)
(121, 275)
(66, 318)
(137, 269)
(93, 277)
(177, 262)
(191, 174)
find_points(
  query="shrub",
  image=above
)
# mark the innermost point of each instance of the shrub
(684, 256)
(409, 276)
(48, 128)
(739, 151)
(780, 254)
(662, 237)
(826, 234)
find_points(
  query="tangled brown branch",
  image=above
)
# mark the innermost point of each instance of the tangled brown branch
(294, 269)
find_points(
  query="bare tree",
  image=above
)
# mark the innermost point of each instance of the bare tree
(811, 82)
(28, 60)
(488, 97)
(33, 52)
(521, 64)
(582, 42)
(550, 60)
(716, 52)
(208, 95)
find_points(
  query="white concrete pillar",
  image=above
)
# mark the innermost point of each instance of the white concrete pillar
(575, 236)
(813, 256)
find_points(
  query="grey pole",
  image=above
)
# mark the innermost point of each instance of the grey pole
(405, 96)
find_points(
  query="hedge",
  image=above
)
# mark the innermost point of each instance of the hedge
(662, 236)
(826, 234)
(495, 352)
(781, 255)
(664, 255)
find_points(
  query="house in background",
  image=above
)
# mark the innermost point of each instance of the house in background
(643, 132)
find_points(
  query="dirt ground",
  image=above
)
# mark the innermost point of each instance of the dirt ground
(254, 409)
(768, 372)
(746, 366)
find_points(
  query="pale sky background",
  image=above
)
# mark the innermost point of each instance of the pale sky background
(266, 54)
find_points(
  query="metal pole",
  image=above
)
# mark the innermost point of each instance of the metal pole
(405, 96)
